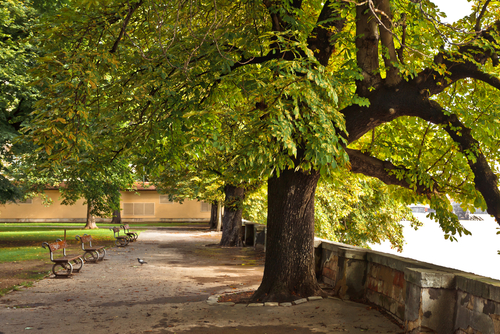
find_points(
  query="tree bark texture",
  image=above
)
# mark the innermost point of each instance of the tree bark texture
(219, 216)
(117, 217)
(212, 224)
(90, 225)
(289, 271)
(231, 221)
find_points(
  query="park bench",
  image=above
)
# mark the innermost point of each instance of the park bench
(120, 240)
(92, 253)
(67, 264)
(132, 236)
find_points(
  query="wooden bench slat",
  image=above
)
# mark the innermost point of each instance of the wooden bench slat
(66, 258)
(58, 245)
(94, 248)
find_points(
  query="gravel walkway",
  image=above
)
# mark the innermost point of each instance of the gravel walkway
(169, 294)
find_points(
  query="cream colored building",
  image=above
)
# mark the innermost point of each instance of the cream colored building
(141, 205)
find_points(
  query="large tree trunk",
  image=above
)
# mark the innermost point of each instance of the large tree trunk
(212, 224)
(117, 217)
(289, 269)
(231, 222)
(90, 219)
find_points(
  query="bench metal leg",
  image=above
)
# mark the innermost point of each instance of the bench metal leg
(62, 269)
(77, 264)
(102, 253)
(121, 242)
(132, 236)
(91, 256)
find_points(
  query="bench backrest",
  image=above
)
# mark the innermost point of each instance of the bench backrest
(116, 231)
(125, 227)
(84, 239)
(56, 246)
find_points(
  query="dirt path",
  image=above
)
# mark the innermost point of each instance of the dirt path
(169, 295)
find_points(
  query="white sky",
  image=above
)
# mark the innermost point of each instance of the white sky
(454, 9)
(476, 253)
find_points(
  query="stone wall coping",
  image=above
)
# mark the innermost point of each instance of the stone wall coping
(430, 278)
(401, 263)
(334, 246)
(355, 254)
(480, 286)
(392, 261)
(318, 242)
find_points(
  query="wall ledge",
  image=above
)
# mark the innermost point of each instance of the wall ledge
(354, 254)
(480, 286)
(430, 278)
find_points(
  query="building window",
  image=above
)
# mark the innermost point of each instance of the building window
(164, 200)
(138, 209)
(206, 207)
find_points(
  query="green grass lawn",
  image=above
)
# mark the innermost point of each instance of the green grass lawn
(12, 254)
(20, 243)
(23, 242)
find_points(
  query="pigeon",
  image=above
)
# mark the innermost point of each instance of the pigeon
(141, 261)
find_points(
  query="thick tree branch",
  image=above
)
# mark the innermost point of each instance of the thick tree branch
(483, 11)
(400, 50)
(392, 73)
(259, 60)
(367, 38)
(277, 21)
(434, 83)
(320, 41)
(387, 104)
(485, 180)
(297, 4)
(384, 171)
(131, 11)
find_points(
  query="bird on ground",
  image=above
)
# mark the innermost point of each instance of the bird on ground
(141, 261)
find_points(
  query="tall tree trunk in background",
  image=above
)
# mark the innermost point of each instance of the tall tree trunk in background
(90, 219)
(219, 216)
(289, 268)
(117, 217)
(212, 224)
(231, 222)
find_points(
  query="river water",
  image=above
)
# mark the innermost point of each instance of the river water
(476, 253)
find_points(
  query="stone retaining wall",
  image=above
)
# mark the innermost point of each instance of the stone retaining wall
(426, 298)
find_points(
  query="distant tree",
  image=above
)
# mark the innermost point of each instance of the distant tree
(99, 187)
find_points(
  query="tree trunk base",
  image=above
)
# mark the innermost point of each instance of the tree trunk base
(282, 294)
(289, 272)
(91, 226)
(231, 222)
